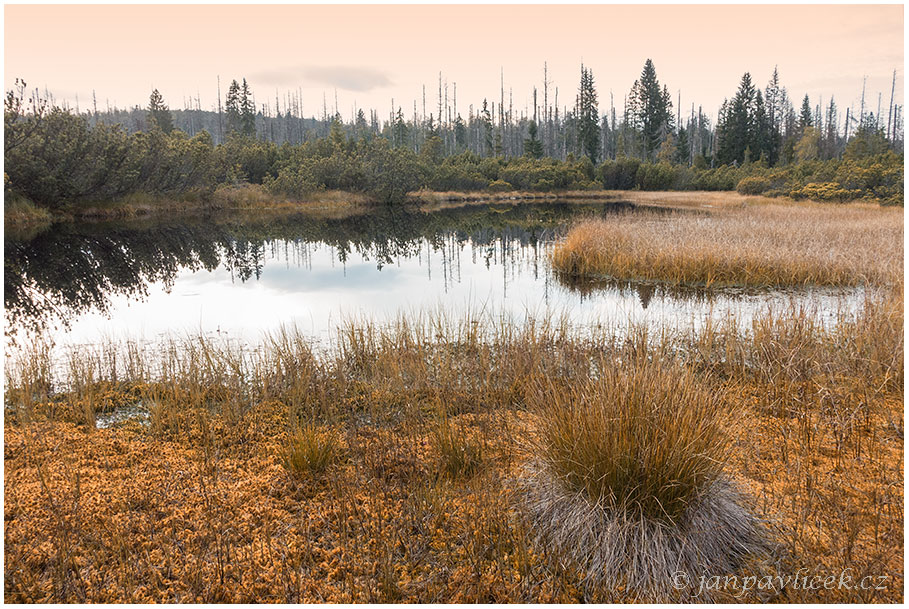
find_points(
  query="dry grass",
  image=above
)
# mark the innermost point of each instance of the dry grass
(310, 451)
(461, 455)
(438, 197)
(641, 439)
(629, 481)
(755, 245)
(254, 196)
(196, 502)
(20, 212)
(22, 215)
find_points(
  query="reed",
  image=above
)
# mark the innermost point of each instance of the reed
(756, 245)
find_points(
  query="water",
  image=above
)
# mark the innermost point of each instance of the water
(239, 277)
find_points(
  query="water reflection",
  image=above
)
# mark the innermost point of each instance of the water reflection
(243, 274)
(57, 275)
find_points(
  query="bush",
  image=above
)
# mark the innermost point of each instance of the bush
(659, 176)
(620, 174)
(754, 185)
(499, 186)
(290, 183)
(543, 185)
(826, 191)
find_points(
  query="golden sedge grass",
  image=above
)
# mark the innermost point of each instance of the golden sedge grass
(628, 480)
(311, 450)
(755, 245)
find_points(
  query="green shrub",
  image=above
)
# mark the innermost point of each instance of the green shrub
(620, 174)
(499, 186)
(753, 185)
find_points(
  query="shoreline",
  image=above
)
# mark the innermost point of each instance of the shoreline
(23, 215)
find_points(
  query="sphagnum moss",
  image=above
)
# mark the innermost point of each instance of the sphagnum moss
(198, 506)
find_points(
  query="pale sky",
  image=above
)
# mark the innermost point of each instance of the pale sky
(371, 54)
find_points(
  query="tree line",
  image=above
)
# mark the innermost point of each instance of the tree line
(56, 156)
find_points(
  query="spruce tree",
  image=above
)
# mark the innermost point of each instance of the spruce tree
(460, 133)
(588, 130)
(805, 119)
(735, 127)
(232, 107)
(158, 113)
(532, 146)
(247, 112)
(774, 96)
(399, 130)
(650, 108)
(683, 148)
(486, 121)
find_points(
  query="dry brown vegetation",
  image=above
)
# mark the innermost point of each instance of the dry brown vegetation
(750, 243)
(421, 435)
(240, 198)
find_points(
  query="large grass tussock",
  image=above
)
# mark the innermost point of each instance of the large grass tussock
(629, 480)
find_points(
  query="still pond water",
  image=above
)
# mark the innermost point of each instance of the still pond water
(239, 277)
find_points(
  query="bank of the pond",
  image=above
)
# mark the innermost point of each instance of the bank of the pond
(247, 197)
(20, 213)
(390, 467)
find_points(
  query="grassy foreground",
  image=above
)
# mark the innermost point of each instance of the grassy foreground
(394, 464)
(736, 241)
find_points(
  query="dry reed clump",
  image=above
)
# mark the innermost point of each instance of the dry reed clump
(760, 246)
(311, 450)
(461, 455)
(629, 483)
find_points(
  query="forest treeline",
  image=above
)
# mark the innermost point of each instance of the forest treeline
(57, 157)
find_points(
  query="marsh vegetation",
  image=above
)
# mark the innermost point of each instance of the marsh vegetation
(362, 472)
(703, 382)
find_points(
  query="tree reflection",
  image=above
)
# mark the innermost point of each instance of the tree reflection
(72, 268)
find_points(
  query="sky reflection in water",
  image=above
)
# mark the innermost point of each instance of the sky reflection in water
(490, 259)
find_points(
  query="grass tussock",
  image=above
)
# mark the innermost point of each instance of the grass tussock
(641, 439)
(311, 451)
(461, 455)
(786, 421)
(755, 245)
(629, 479)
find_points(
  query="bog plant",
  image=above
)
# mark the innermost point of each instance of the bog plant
(744, 246)
(461, 455)
(310, 451)
(629, 479)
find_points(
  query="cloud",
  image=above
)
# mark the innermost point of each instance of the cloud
(349, 78)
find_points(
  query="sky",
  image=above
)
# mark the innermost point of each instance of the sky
(369, 55)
